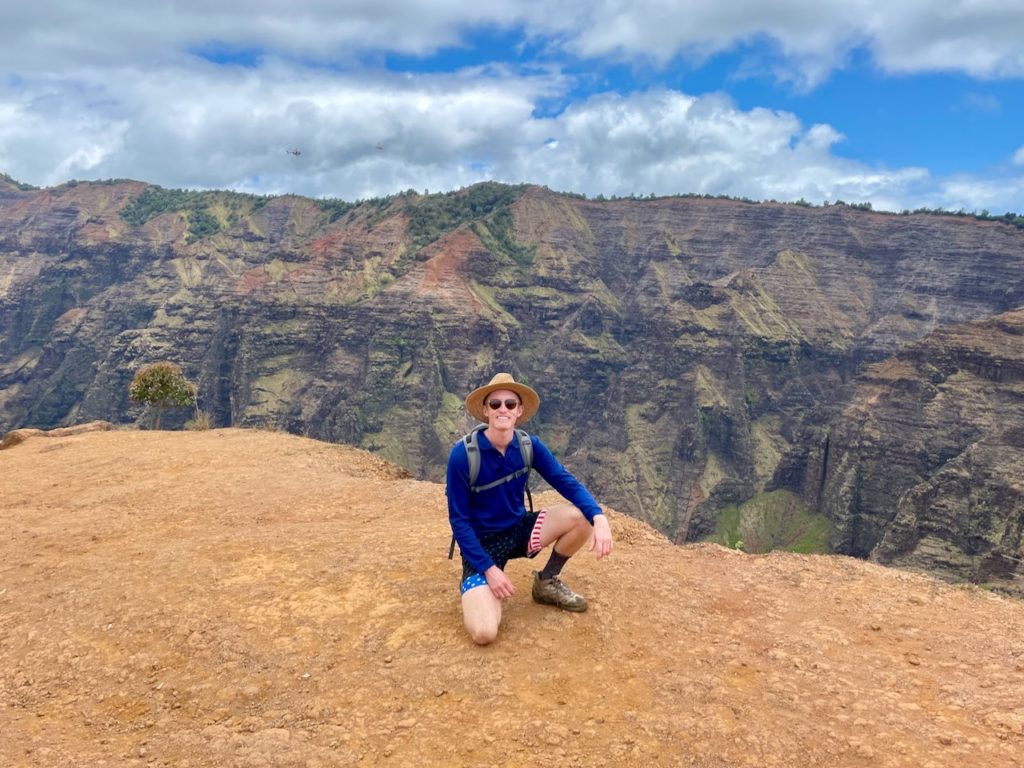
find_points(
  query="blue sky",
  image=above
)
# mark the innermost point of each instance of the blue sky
(901, 105)
(922, 119)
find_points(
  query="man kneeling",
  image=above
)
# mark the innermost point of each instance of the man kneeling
(490, 522)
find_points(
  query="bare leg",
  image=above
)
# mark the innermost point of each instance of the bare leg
(566, 526)
(481, 613)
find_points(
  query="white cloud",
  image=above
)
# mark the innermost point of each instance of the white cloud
(666, 142)
(47, 139)
(974, 194)
(45, 33)
(215, 127)
(209, 126)
(981, 38)
(1018, 157)
(114, 91)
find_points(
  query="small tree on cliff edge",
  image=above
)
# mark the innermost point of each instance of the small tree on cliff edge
(161, 386)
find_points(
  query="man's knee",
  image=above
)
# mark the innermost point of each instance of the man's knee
(571, 516)
(483, 635)
(569, 526)
(579, 522)
(482, 630)
(481, 615)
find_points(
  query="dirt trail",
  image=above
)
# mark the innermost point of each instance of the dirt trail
(245, 598)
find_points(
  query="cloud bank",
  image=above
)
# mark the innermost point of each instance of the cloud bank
(213, 94)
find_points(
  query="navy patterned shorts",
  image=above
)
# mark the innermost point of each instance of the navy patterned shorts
(519, 540)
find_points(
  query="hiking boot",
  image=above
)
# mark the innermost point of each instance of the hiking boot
(554, 591)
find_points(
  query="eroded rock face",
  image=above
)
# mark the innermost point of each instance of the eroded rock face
(925, 468)
(690, 353)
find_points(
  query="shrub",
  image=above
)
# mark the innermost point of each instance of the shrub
(161, 386)
(202, 421)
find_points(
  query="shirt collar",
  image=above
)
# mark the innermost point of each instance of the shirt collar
(485, 443)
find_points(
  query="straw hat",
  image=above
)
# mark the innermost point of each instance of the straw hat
(476, 402)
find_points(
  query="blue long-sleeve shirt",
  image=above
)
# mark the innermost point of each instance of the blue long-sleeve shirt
(474, 514)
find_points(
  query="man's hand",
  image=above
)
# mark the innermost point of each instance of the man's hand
(601, 541)
(500, 584)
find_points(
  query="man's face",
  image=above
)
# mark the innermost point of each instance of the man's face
(503, 417)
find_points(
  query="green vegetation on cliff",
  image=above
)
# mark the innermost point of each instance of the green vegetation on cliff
(434, 215)
(19, 185)
(497, 233)
(194, 205)
(156, 200)
(770, 521)
(334, 207)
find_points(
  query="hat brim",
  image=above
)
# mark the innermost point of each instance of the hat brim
(476, 401)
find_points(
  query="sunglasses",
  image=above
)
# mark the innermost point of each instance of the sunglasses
(509, 403)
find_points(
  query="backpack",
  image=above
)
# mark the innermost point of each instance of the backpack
(472, 444)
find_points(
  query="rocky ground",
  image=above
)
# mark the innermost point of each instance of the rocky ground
(247, 598)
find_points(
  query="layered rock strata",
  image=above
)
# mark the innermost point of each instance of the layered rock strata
(690, 352)
(924, 468)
